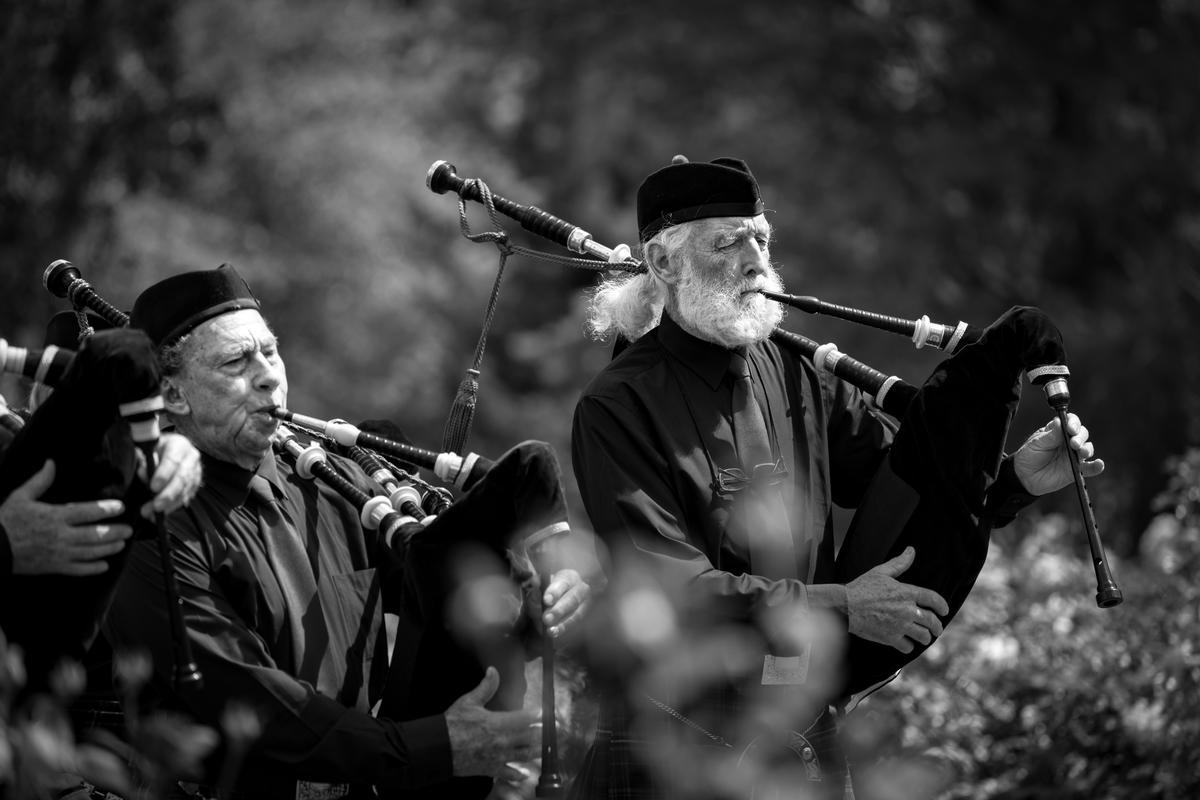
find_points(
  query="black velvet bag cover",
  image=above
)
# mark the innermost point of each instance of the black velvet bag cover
(930, 491)
(478, 538)
(57, 616)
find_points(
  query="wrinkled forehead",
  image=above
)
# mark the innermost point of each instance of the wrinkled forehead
(715, 227)
(231, 332)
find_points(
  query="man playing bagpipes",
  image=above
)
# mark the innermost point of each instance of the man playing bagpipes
(282, 588)
(709, 459)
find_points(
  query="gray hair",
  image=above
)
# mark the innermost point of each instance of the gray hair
(631, 304)
(170, 356)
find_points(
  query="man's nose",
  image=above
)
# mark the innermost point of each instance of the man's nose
(270, 373)
(754, 259)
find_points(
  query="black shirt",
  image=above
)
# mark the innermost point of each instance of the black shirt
(283, 605)
(652, 429)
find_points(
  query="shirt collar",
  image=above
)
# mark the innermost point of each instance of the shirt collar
(708, 360)
(232, 482)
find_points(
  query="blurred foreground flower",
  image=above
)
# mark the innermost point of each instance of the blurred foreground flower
(241, 726)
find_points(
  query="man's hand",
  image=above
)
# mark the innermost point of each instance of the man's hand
(565, 601)
(1042, 464)
(483, 741)
(60, 539)
(177, 476)
(884, 610)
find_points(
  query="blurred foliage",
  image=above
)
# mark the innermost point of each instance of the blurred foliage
(45, 751)
(917, 156)
(1034, 692)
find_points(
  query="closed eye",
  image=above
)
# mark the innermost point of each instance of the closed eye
(730, 241)
(234, 359)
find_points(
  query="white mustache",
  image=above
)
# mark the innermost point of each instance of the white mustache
(765, 282)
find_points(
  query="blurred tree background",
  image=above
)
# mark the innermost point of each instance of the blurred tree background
(917, 156)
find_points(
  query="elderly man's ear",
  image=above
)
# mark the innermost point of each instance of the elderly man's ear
(662, 267)
(174, 401)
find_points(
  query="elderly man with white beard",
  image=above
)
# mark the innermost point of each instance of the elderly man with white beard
(714, 457)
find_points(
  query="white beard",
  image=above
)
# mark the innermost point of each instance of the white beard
(718, 312)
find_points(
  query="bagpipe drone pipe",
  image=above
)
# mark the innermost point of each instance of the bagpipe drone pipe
(460, 574)
(84, 428)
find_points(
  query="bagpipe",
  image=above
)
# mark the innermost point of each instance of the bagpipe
(506, 520)
(930, 490)
(103, 411)
(101, 416)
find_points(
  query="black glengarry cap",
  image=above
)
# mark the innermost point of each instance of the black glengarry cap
(687, 191)
(176, 305)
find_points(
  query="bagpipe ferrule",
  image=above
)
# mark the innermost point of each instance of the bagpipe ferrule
(539, 537)
(392, 523)
(142, 416)
(466, 465)
(13, 358)
(373, 512)
(43, 368)
(922, 332)
(402, 495)
(453, 468)
(307, 457)
(577, 240)
(147, 405)
(1057, 393)
(1039, 375)
(960, 331)
(881, 395)
(827, 356)
(619, 254)
(1053, 380)
(448, 466)
(382, 476)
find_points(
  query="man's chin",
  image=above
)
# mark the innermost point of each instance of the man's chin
(256, 440)
(743, 332)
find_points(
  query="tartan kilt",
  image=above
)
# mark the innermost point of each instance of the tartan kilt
(618, 766)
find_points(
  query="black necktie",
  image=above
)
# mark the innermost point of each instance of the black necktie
(764, 514)
(749, 427)
(294, 574)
